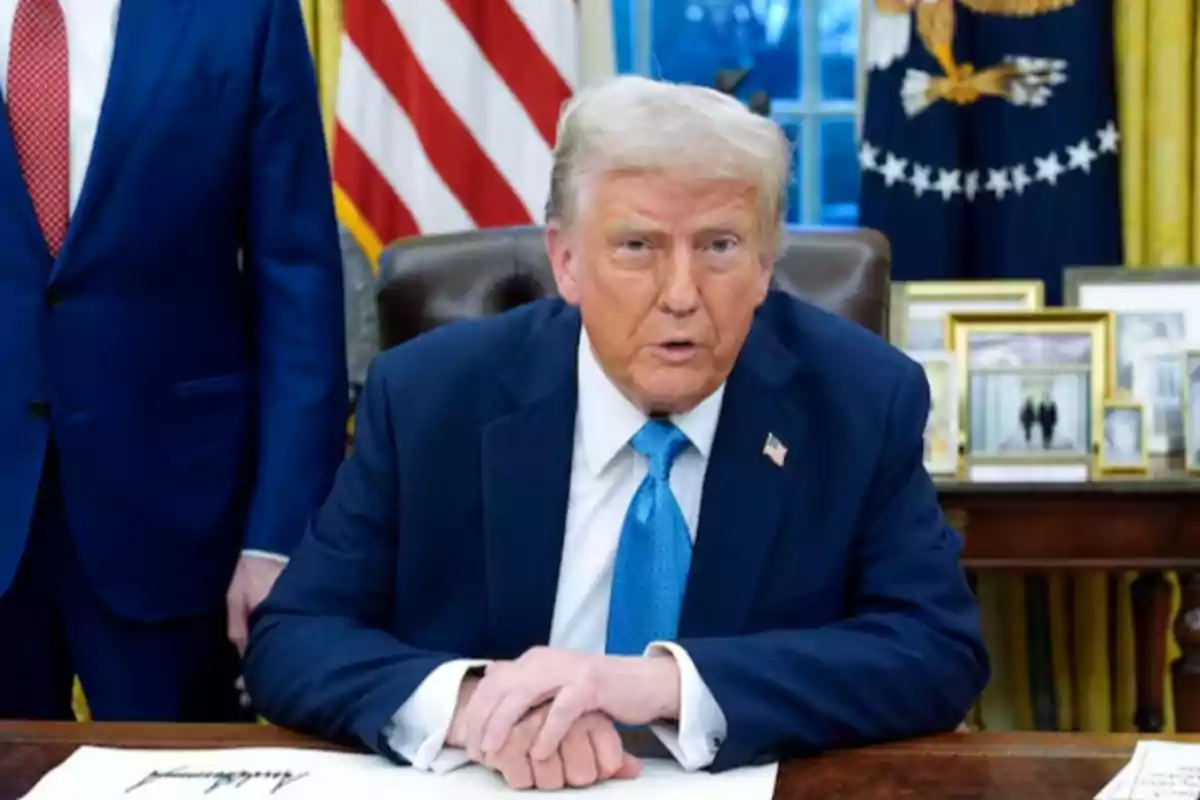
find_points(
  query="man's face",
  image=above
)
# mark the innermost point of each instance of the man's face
(667, 272)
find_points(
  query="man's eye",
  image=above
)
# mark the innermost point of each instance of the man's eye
(635, 245)
(723, 244)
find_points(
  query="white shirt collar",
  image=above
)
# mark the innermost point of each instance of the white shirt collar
(607, 420)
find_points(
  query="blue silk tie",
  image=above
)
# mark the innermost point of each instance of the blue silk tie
(655, 551)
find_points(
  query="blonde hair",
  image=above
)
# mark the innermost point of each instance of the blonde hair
(636, 124)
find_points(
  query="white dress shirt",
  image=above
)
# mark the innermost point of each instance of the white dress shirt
(605, 474)
(91, 32)
(91, 35)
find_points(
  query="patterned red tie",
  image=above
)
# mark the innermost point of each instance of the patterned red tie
(38, 112)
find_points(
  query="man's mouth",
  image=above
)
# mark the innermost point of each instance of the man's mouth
(677, 349)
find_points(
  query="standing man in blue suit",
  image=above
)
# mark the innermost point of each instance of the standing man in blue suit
(172, 367)
(673, 497)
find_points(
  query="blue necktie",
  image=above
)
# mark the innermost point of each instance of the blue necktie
(654, 553)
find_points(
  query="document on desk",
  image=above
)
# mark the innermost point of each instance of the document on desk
(1157, 771)
(99, 773)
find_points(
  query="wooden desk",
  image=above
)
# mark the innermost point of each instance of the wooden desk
(987, 766)
(1149, 525)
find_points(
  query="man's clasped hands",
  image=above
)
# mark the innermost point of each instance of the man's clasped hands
(547, 720)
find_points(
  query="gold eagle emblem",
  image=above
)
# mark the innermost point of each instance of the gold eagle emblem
(1024, 81)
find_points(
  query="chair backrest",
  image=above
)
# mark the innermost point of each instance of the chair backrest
(428, 281)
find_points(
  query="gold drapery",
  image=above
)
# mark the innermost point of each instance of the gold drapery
(1158, 83)
(323, 20)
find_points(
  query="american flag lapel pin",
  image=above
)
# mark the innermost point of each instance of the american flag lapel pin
(774, 450)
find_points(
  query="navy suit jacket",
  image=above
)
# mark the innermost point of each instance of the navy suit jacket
(196, 394)
(825, 604)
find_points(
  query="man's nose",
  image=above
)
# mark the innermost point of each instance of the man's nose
(680, 295)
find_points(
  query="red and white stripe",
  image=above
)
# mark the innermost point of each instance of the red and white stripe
(446, 113)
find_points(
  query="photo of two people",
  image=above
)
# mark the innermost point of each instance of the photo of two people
(1030, 394)
(1043, 415)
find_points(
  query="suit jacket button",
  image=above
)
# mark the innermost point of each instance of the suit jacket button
(39, 409)
(53, 297)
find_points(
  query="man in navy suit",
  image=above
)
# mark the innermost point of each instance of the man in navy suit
(172, 364)
(671, 498)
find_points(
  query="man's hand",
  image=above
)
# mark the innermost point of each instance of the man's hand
(252, 582)
(632, 691)
(590, 753)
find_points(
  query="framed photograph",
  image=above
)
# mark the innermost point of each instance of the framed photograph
(1191, 412)
(920, 309)
(1031, 393)
(1155, 311)
(1158, 386)
(1123, 448)
(941, 430)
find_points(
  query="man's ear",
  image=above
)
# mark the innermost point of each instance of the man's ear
(564, 260)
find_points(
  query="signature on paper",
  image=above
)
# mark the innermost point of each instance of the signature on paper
(220, 779)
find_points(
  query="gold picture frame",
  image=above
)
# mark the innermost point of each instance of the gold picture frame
(942, 435)
(997, 454)
(1191, 411)
(946, 297)
(1137, 453)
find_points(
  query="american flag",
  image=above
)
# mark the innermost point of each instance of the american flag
(774, 450)
(446, 113)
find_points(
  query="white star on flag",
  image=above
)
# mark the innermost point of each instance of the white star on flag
(920, 179)
(893, 169)
(1049, 168)
(948, 183)
(1108, 137)
(997, 183)
(971, 184)
(868, 156)
(1020, 178)
(1080, 156)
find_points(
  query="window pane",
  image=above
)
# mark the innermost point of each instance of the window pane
(839, 48)
(792, 129)
(839, 172)
(624, 35)
(693, 39)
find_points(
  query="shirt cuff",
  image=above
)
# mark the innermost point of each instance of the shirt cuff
(282, 559)
(695, 739)
(418, 729)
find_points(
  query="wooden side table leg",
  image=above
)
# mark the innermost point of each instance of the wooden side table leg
(1186, 671)
(1151, 600)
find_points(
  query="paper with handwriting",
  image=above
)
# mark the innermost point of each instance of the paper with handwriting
(1157, 771)
(99, 773)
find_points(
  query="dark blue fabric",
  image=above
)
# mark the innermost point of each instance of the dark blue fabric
(52, 626)
(1033, 233)
(187, 349)
(825, 605)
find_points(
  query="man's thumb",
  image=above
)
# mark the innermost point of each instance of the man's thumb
(630, 768)
(236, 624)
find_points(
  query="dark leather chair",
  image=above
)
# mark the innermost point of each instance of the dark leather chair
(427, 281)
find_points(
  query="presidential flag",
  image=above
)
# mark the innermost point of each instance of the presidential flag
(989, 144)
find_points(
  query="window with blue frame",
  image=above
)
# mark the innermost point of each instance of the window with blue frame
(800, 52)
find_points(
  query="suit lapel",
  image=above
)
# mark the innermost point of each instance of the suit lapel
(147, 37)
(745, 491)
(526, 460)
